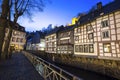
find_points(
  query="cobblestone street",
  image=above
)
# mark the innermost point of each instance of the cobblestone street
(18, 68)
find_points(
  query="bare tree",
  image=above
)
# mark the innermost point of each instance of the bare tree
(3, 23)
(16, 9)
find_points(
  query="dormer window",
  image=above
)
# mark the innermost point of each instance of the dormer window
(104, 23)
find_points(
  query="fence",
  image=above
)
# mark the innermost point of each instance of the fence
(48, 70)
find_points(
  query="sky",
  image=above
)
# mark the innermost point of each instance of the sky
(58, 12)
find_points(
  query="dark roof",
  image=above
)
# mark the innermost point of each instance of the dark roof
(55, 30)
(41, 34)
(67, 28)
(17, 27)
(111, 7)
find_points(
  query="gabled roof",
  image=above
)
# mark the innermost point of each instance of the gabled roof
(111, 7)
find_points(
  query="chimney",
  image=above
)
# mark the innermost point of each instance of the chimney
(99, 5)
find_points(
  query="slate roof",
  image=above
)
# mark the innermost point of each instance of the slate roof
(67, 28)
(55, 30)
(17, 27)
(109, 8)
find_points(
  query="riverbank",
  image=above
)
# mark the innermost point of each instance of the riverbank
(103, 66)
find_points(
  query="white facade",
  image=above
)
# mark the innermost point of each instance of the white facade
(18, 40)
(51, 46)
(100, 37)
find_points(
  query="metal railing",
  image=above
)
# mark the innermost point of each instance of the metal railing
(49, 71)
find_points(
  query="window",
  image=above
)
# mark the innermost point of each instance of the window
(89, 28)
(86, 48)
(21, 40)
(105, 34)
(106, 47)
(77, 48)
(91, 48)
(78, 30)
(13, 39)
(90, 36)
(81, 48)
(104, 23)
(75, 30)
(46, 39)
(76, 38)
(14, 33)
(53, 44)
(18, 40)
(53, 37)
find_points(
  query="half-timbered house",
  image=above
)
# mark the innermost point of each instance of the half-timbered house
(98, 32)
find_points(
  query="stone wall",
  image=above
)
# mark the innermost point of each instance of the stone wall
(103, 66)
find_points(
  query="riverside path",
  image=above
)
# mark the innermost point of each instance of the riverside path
(18, 67)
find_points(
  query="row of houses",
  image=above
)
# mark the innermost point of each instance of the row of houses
(96, 33)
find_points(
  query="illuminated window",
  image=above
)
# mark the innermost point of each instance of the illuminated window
(105, 34)
(91, 48)
(104, 23)
(106, 47)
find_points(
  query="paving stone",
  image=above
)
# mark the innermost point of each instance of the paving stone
(18, 68)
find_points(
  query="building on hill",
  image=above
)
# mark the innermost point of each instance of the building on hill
(98, 32)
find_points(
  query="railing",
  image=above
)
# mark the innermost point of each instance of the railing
(48, 70)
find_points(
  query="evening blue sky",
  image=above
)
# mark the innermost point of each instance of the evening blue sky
(58, 12)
